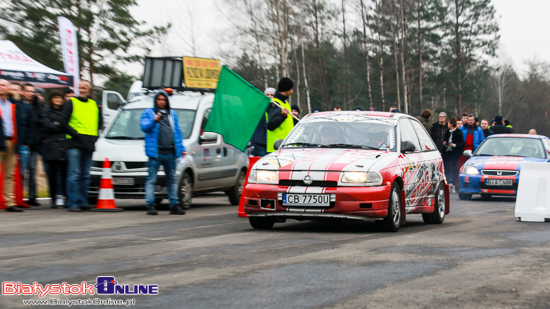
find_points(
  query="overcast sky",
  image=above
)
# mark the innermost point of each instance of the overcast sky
(525, 27)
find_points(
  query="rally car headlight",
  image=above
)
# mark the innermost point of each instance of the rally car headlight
(354, 177)
(263, 176)
(470, 170)
(369, 178)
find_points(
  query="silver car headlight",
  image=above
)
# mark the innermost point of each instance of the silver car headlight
(367, 178)
(470, 170)
(263, 176)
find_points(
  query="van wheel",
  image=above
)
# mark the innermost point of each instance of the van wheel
(261, 223)
(234, 193)
(185, 191)
(392, 222)
(438, 215)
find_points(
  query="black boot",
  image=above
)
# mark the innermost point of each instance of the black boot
(152, 211)
(175, 210)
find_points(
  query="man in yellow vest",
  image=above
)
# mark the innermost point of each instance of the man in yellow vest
(280, 121)
(84, 120)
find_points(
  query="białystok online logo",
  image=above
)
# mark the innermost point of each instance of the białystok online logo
(105, 285)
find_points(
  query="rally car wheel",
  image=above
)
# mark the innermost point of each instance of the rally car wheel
(438, 215)
(234, 193)
(464, 196)
(185, 191)
(393, 221)
(261, 223)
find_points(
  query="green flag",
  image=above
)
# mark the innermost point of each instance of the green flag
(237, 109)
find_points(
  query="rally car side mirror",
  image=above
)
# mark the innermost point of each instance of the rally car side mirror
(278, 144)
(467, 153)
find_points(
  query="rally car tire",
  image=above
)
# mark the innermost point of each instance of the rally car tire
(234, 194)
(392, 222)
(464, 196)
(438, 216)
(185, 191)
(92, 200)
(261, 223)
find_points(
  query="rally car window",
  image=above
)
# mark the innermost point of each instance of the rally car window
(426, 143)
(356, 134)
(513, 147)
(408, 134)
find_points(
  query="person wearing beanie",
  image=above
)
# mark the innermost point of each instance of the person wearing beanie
(259, 138)
(438, 131)
(499, 127)
(359, 109)
(279, 120)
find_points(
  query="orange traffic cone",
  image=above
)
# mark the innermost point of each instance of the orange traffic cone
(251, 161)
(106, 199)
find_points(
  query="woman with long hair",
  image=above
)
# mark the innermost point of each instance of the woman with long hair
(55, 142)
(453, 148)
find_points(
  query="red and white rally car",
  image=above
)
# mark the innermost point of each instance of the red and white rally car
(350, 165)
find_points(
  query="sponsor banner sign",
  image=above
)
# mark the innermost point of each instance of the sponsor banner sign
(69, 49)
(37, 77)
(201, 73)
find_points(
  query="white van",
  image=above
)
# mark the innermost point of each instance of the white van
(211, 164)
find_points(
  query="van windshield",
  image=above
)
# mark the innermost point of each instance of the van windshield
(127, 124)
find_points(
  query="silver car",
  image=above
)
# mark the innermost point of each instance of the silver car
(211, 165)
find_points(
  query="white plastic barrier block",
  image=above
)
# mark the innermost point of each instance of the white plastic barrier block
(532, 203)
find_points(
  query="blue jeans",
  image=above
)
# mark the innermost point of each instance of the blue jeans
(169, 163)
(79, 163)
(259, 151)
(24, 157)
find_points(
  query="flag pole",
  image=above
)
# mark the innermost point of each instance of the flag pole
(287, 109)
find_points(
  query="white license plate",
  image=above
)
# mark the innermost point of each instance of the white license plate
(499, 182)
(319, 200)
(123, 181)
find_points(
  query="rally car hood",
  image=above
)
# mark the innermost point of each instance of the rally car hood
(323, 159)
(500, 163)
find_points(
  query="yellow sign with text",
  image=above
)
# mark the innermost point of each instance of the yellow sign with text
(201, 73)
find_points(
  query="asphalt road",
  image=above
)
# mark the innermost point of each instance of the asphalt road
(480, 257)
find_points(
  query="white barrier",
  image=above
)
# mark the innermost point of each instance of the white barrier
(533, 200)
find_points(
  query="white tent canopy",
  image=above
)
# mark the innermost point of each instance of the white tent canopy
(16, 66)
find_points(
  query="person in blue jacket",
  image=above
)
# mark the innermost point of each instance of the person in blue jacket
(473, 135)
(163, 145)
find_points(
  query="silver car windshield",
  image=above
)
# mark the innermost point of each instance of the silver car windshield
(513, 147)
(127, 124)
(323, 133)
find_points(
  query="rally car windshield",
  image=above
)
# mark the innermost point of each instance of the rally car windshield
(512, 146)
(369, 134)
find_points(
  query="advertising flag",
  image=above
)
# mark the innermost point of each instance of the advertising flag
(69, 48)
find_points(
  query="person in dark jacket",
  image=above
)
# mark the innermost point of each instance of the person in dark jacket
(30, 156)
(499, 127)
(438, 130)
(163, 146)
(279, 120)
(454, 147)
(83, 119)
(55, 144)
(259, 138)
(485, 127)
(424, 118)
(25, 131)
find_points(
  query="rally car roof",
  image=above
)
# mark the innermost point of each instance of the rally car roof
(518, 135)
